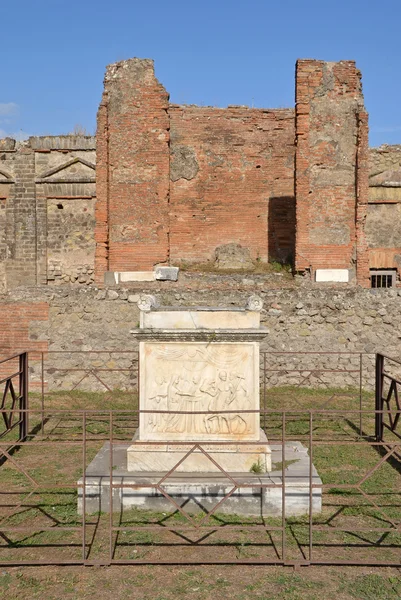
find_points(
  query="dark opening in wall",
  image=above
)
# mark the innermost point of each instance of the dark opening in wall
(281, 229)
(383, 278)
(59, 205)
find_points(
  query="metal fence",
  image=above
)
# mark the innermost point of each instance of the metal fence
(14, 390)
(52, 510)
(388, 404)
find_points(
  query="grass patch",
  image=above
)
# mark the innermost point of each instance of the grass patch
(374, 586)
(278, 466)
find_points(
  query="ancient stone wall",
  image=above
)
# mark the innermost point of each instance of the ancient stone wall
(177, 182)
(184, 184)
(298, 320)
(383, 221)
(47, 202)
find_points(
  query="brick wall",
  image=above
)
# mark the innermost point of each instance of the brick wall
(133, 169)
(232, 180)
(328, 103)
(7, 187)
(18, 333)
(16, 322)
(362, 191)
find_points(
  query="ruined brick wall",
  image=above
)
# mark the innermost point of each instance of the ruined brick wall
(329, 112)
(383, 220)
(176, 182)
(232, 180)
(173, 183)
(47, 201)
(362, 197)
(133, 170)
(24, 326)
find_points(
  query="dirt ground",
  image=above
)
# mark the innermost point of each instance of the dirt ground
(201, 583)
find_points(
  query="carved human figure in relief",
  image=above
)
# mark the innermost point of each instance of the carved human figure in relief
(175, 423)
(239, 401)
(184, 395)
(220, 391)
(228, 394)
(194, 422)
(158, 398)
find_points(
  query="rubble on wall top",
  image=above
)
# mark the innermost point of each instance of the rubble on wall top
(7, 144)
(116, 69)
(51, 142)
(387, 148)
(63, 142)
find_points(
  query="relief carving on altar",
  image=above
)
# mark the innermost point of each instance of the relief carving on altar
(216, 381)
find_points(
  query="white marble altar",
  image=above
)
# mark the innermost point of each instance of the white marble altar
(199, 382)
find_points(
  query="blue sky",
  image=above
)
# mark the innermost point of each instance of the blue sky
(214, 52)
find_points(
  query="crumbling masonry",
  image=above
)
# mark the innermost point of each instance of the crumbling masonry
(167, 184)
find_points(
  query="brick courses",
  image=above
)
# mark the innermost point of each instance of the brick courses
(245, 161)
(174, 182)
(16, 318)
(133, 169)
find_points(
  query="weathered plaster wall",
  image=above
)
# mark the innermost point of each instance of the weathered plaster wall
(232, 180)
(328, 104)
(383, 221)
(47, 200)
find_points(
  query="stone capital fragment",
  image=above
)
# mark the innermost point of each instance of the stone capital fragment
(146, 302)
(254, 303)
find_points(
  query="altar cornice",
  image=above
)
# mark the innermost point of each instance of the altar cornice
(199, 335)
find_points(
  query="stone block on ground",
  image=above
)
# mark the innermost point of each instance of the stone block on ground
(166, 273)
(233, 256)
(110, 278)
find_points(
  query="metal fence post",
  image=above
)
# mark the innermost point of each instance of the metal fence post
(23, 396)
(379, 398)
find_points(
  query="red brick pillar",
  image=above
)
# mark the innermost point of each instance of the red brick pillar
(132, 173)
(328, 102)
